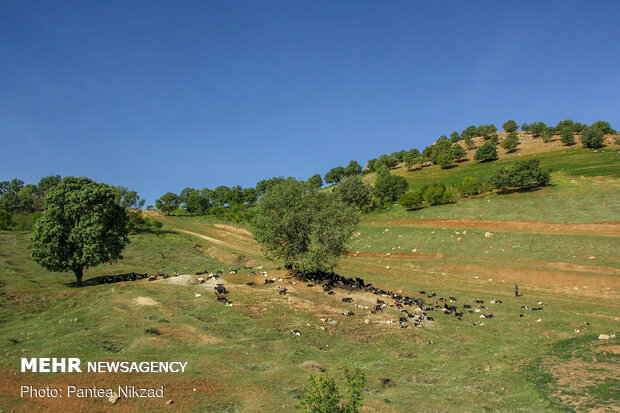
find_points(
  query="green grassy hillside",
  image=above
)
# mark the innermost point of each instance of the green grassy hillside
(243, 358)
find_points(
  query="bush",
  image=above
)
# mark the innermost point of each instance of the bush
(521, 175)
(510, 126)
(444, 160)
(469, 142)
(323, 396)
(457, 151)
(390, 186)
(536, 128)
(5, 220)
(470, 185)
(411, 200)
(546, 135)
(389, 161)
(592, 137)
(568, 137)
(437, 195)
(354, 192)
(486, 152)
(511, 142)
(486, 130)
(25, 222)
(334, 175)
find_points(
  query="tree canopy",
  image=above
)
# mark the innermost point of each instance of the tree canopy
(592, 137)
(167, 203)
(390, 186)
(306, 229)
(510, 126)
(511, 142)
(82, 226)
(334, 175)
(521, 175)
(352, 191)
(487, 152)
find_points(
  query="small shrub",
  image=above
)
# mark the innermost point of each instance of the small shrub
(511, 142)
(568, 137)
(25, 222)
(546, 135)
(323, 396)
(486, 152)
(437, 195)
(521, 175)
(411, 200)
(445, 161)
(469, 143)
(390, 186)
(470, 185)
(152, 330)
(6, 220)
(510, 126)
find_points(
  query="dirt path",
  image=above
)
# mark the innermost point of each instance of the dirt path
(557, 265)
(605, 229)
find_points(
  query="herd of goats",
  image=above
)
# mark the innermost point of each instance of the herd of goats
(413, 309)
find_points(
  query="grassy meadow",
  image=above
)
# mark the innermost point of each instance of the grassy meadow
(244, 359)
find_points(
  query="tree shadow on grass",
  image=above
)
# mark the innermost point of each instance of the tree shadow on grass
(522, 190)
(156, 231)
(109, 279)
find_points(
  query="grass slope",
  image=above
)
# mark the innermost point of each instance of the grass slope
(243, 358)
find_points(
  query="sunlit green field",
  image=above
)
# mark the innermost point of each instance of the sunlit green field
(243, 358)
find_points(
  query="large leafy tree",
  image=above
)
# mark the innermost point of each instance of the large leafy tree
(334, 175)
(82, 226)
(306, 229)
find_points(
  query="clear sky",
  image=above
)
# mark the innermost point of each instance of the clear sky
(160, 95)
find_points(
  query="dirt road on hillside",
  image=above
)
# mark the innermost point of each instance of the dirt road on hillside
(603, 229)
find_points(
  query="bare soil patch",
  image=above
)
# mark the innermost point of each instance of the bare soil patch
(190, 334)
(144, 301)
(237, 230)
(396, 255)
(608, 229)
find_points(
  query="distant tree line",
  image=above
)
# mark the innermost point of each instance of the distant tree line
(22, 204)
(522, 175)
(448, 151)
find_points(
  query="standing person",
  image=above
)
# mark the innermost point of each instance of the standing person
(516, 290)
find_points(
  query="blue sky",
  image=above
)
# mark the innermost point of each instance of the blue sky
(159, 95)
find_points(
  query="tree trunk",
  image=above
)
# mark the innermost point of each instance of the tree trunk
(79, 273)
